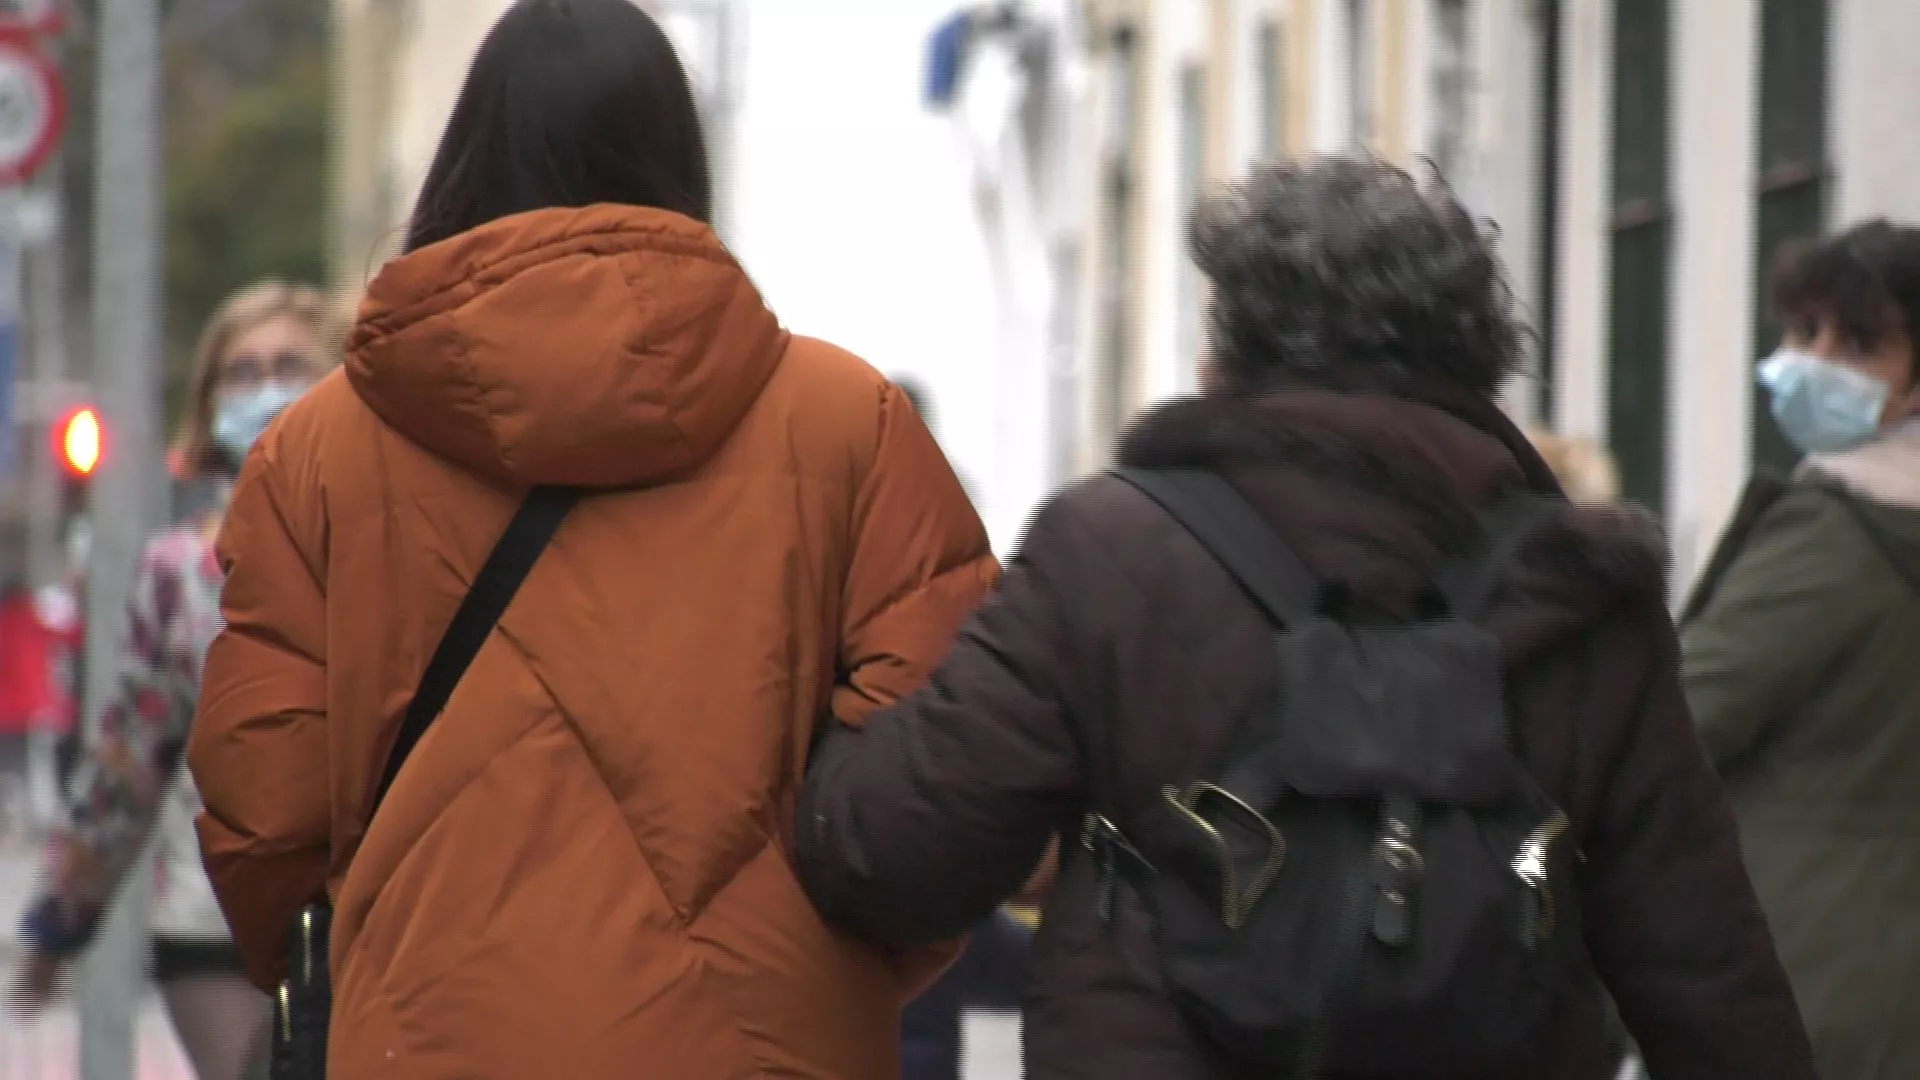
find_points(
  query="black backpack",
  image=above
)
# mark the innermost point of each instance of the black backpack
(1373, 882)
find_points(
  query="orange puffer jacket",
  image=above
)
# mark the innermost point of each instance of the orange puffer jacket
(585, 869)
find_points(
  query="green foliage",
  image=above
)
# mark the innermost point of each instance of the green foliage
(246, 199)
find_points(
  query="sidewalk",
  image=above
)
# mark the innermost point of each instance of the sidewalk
(48, 1047)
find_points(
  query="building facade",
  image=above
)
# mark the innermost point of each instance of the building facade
(399, 66)
(1643, 161)
(1192, 93)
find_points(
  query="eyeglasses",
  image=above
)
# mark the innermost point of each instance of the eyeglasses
(247, 369)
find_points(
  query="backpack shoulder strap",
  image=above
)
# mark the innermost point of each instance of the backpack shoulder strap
(511, 560)
(1504, 528)
(1228, 527)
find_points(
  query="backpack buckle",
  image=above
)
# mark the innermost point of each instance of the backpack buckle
(1106, 843)
(1398, 867)
(1530, 865)
(1240, 891)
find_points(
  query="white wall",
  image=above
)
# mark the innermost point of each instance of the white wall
(1874, 103)
(852, 211)
(1586, 198)
(1502, 180)
(1710, 357)
(1177, 37)
(441, 41)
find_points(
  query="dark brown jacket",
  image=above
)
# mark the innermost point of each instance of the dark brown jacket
(913, 828)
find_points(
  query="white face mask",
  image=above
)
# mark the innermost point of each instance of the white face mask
(240, 416)
(1822, 406)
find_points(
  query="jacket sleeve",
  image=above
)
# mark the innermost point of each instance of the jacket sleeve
(1787, 608)
(259, 748)
(914, 828)
(920, 563)
(1671, 918)
(120, 783)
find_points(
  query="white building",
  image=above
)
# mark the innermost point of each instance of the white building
(1192, 92)
(1696, 139)
(401, 64)
(1644, 159)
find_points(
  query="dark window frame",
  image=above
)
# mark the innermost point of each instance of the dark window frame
(1793, 183)
(1641, 221)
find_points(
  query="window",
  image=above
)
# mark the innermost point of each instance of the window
(1193, 164)
(1792, 195)
(1451, 74)
(1551, 28)
(1642, 241)
(1270, 69)
(1360, 75)
(1118, 187)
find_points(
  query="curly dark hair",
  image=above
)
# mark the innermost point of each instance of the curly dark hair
(1865, 282)
(1349, 274)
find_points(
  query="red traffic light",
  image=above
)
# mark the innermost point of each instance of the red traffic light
(81, 442)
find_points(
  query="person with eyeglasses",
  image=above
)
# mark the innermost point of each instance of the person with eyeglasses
(261, 350)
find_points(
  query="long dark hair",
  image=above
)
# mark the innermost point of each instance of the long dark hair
(568, 103)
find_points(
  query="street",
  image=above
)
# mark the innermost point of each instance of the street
(48, 1048)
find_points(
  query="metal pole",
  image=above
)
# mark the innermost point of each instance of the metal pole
(12, 358)
(46, 322)
(129, 488)
(43, 319)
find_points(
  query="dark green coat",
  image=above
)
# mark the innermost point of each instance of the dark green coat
(1803, 671)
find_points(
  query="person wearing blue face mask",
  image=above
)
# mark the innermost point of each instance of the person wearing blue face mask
(261, 349)
(1799, 649)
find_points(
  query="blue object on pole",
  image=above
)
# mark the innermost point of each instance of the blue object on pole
(947, 58)
(9, 408)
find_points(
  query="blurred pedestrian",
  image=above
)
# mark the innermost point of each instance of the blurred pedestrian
(1800, 647)
(987, 975)
(1361, 327)
(584, 869)
(262, 349)
(1583, 467)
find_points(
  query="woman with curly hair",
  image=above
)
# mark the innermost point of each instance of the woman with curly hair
(1361, 328)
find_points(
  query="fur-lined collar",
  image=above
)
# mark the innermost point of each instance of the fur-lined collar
(1886, 470)
(1430, 459)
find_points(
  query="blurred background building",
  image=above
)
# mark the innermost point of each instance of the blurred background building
(992, 198)
(1642, 160)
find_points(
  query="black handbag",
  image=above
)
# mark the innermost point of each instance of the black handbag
(303, 1008)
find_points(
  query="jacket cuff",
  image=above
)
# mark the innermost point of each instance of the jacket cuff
(56, 929)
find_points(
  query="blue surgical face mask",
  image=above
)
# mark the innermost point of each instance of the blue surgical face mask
(1822, 406)
(241, 415)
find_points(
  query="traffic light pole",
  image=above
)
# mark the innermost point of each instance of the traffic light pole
(45, 319)
(130, 487)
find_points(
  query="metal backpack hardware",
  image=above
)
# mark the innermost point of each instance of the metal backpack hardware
(1371, 882)
(303, 1008)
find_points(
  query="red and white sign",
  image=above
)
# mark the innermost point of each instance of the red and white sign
(31, 17)
(33, 109)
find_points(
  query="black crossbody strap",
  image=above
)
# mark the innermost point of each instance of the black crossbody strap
(1238, 537)
(512, 559)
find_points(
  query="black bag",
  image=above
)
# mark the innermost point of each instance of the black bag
(303, 1009)
(1373, 883)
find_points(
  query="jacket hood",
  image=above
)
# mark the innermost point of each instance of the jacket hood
(1884, 475)
(609, 346)
(1377, 491)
